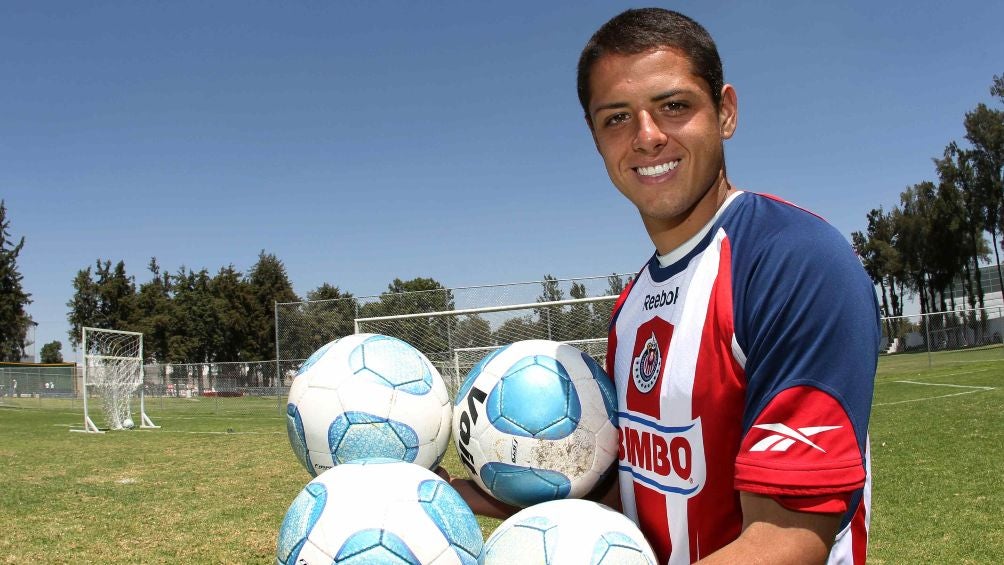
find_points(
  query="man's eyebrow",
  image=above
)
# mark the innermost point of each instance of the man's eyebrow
(657, 98)
(668, 94)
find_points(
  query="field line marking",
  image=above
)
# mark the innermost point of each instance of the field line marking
(981, 389)
(941, 376)
(944, 384)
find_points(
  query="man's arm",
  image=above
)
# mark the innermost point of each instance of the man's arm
(773, 534)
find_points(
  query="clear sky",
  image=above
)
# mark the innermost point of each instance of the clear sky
(363, 141)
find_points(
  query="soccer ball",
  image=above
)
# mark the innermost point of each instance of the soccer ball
(367, 395)
(379, 511)
(128, 424)
(567, 532)
(536, 421)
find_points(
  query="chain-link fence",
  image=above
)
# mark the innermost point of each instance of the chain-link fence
(442, 322)
(946, 335)
(468, 322)
(225, 389)
(29, 385)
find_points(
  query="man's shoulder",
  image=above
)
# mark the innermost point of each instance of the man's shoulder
(769, 224)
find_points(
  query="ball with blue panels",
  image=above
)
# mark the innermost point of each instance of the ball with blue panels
(367, 395)
(380, 511)
(536, 421)
(567, 532)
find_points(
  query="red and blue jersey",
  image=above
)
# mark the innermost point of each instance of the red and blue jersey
(745, 361)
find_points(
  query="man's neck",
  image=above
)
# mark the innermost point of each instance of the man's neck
(667, 236)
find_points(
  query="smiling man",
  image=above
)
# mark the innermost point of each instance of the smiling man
(744, 398)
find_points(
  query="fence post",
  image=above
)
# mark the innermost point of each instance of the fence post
(275, 381)
(926, 318)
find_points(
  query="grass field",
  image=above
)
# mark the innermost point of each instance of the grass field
(212, 486)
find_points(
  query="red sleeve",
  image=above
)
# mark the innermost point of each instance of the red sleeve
(801, 445)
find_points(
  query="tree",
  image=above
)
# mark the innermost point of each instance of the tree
(195, 331)
(551, 318)
(579, 320)
(431, 335)
(882, 262)
(154, 315)
(103, 300)
(14, 320)
(603, 311)
(233, 304)
(52, 352)
(268, 284)
(985, 131)
(329, 314)
(959, 190)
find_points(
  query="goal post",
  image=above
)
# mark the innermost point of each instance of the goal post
(113, 371)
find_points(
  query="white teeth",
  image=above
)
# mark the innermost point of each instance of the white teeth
(658, 169)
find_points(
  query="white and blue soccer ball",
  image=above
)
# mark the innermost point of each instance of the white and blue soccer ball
(368, 395)
(379, 511)
(567, 532)
(535, 421)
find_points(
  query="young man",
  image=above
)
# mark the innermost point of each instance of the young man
(744, 351)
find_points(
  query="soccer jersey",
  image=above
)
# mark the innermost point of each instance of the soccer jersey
(745, 361)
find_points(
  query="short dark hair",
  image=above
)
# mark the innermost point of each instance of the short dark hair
(637, 31)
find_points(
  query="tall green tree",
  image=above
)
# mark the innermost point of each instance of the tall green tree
(154, 315)
(14, 319)
(52, 352)
(985, 131)
(233, 304)
(268, 284)
(964, 210)
(196, 328)
(104, 298)
(881, 260)
(914, 235)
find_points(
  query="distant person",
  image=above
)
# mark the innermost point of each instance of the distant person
(744, 351)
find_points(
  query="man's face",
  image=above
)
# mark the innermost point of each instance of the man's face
(660, 135)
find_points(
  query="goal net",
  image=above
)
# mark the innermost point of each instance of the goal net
(113, 372)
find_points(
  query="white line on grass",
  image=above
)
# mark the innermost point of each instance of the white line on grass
(945, 384)
(973, 389)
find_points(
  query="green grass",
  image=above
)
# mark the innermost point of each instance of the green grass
(213, 484)
(938, 459)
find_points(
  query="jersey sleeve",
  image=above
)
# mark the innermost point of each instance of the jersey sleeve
(807, 322)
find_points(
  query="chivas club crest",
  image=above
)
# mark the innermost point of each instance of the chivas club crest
(645, 368)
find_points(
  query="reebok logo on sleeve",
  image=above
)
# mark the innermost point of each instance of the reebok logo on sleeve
(785, 437)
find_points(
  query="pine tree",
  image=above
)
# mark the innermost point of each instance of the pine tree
(14, 320)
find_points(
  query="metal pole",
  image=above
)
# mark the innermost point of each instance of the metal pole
(278, 402)
(927, 330)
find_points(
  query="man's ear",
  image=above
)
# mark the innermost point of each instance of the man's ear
(728, 114)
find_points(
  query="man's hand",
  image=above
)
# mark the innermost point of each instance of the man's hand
(480, 502)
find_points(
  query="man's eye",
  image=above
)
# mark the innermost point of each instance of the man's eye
(674, 107)
(616, 119)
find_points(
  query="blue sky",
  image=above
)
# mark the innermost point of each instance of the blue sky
(363, 141)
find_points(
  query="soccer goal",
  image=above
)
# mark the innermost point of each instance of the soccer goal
(113, 372)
